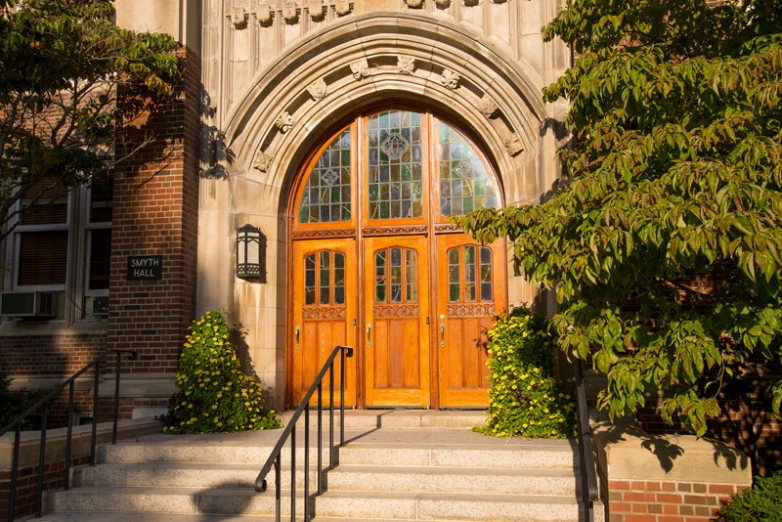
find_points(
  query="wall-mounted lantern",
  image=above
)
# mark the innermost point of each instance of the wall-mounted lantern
(251, 253)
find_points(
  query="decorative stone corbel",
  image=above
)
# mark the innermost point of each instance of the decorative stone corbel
(343, 7)
(487, 106)
(513, 144)
(442, 4)
(239, 17)
(415, 4)
(405, 65)
(315, 8)
(263, 161)
(360, 69)
(318, 90)
(471, 3)
(285, 121)
(450, 79)
(499, 1)
(263, 13)
(290, 12)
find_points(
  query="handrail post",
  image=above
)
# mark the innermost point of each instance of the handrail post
(320, 438)
(94, 437)
(332, 460)
(41, 461)
(14, 471)
(116, 397)
(306, 463)
(67, 476)
(342, 397)
(588, 479)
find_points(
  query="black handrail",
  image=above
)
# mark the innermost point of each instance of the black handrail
(275, 458)
(589, 490)
(16, 425)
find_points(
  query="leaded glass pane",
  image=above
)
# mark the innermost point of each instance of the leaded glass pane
(411, 277)
(326, 196)
(486, 289)
(454, 292)
(339, 278)
(309, 279)
(395, 173)
(469, 273)
(380, 276)
(325, 279)
(396, 275)
(465, 183)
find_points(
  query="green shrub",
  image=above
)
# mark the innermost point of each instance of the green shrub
(215, 395)
(525, 399)
(13, 404)
(762, 503)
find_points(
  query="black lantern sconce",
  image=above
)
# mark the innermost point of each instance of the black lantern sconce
(251, 253)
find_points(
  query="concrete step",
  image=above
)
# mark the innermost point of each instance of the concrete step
(398, 418)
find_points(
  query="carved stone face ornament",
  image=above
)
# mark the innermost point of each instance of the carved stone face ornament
(513, 144)
(487, 106)
(318, 90)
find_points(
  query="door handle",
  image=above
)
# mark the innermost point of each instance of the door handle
(369, 335)
(442, 330)
(298, 331)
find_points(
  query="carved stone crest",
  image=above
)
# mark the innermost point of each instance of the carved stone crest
(263, 12)
(405, 65)
(487, 106)
(415, 4)
(342, 7)
(450, 79)
(360, 69)
(263, 161)
(285, 121)
(318, 90)
(290, 12)
(239, 17)
(315, 7)
(513, 144)
(442, 4)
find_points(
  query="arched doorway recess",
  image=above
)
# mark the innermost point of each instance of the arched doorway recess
(375, 263)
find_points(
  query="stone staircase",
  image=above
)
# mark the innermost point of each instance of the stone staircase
(397, 466)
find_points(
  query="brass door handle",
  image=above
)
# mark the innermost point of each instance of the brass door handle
(369, 335)
(442, 330)
(298, 331)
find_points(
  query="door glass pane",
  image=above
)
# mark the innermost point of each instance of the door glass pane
(396, 275)
(339, 278)
(380, 276)
(325, 279)
(326, 196)
(395, 165)
(465, 182)
(309, 279)
(486, 289)
(469, 273)
(454, 293)
(411, 276)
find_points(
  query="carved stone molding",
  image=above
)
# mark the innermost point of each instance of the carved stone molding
(450, 79)
(318, 89)
(446, 227)
(513, 144)
(394, 231)
(405, 65)
(290, 12)
(342, 7)
(415, 4)
(318, 234)
(396, 310)
(360, 69)
(239, 17)
(322, 312)
(285, 121)
(442, 4)
(470, 310)
(315, 8)
(263, 161)
(487, 106)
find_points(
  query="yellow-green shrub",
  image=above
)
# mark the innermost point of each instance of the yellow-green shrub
(215, 395)
(525, 398)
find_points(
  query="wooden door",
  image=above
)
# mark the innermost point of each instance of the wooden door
(471, 291)
(324, 315)
(396, 304)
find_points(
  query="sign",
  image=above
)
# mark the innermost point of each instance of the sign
(145, 268)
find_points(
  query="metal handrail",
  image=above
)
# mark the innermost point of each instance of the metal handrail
(275, 458)
(589, 490)
(16, 425)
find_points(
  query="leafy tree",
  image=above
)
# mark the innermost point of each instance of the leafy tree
(664, 244)
(62, 63)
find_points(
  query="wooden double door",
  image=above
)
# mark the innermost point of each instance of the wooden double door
(418, 312)
(377, 266)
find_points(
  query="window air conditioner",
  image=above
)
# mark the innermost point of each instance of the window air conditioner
(27, 304)
(97, 306)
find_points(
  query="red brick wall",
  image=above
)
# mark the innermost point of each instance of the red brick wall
(47, 354)
(655, 501)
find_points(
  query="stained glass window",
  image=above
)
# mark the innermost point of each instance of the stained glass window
(465, 257)
(380, 276)
(318, 271)
(465, 184)
(396, 276)
(454, 289)
(486, 290)
(395, 165)
(309, 279)
(339, 278)
(326, 196)
(325, 279)
(412, 275)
